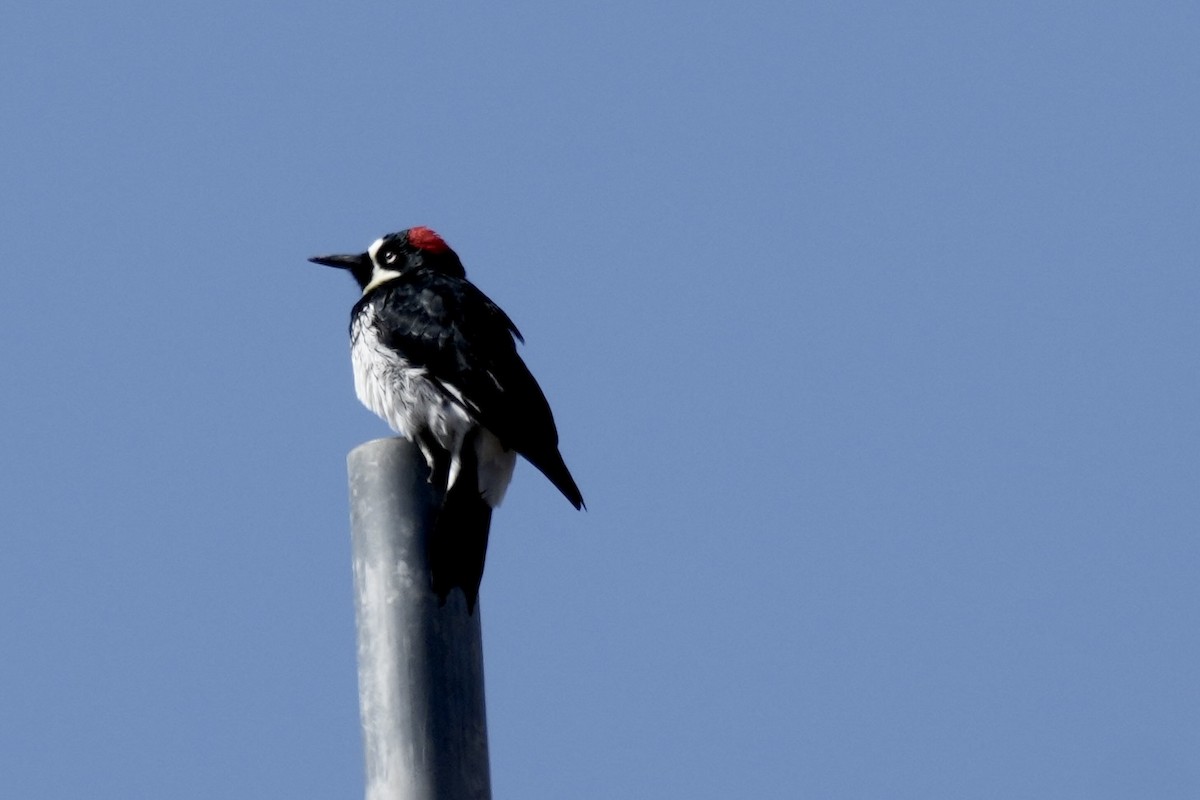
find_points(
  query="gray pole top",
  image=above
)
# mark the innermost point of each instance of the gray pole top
(420, 666)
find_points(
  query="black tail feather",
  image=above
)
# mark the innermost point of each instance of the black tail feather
(457, 548)
(553, 467)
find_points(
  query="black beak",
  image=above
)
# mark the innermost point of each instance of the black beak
(341, 262)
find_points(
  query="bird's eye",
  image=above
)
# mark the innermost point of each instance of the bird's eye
(389, 257)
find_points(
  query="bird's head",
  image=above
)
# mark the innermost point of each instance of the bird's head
(398, 254)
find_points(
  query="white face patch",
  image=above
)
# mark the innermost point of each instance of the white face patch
(373, 250)
(379, 274)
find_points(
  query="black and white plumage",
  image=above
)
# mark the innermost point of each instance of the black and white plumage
(437, 360)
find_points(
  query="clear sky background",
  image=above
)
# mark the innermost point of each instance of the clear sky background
(871, 330)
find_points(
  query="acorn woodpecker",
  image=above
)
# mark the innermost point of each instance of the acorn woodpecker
(437, 360)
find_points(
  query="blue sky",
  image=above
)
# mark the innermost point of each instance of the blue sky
(871, 330)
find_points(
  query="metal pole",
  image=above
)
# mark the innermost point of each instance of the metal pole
(420, 666)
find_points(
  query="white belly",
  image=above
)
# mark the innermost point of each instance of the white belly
(404, 397)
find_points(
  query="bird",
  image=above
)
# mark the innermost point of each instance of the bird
(437, 360)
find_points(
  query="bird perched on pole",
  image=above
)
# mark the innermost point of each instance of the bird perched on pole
(438, 361)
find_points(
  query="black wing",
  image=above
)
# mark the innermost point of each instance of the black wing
(464, 340)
